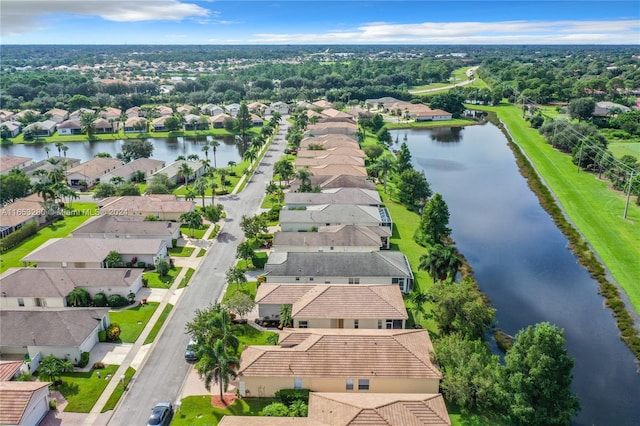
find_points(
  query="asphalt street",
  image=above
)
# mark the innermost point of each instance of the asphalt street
(165, 369)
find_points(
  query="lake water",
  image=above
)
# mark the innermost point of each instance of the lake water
(522, 262)
(167, 149)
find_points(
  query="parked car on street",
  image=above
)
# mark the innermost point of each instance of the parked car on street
(190, 352)
(161, 414)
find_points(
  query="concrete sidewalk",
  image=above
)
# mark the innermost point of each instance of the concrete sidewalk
(132, 355)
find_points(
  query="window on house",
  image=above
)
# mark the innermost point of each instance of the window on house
(310, 278)
(349, 384)
(297, 278)
(389, 324)
(379, 323)
(303, 324)
(297, 383)
(38, 301)
(363, 384)
(354, 280)
(356, 323)
(20, 301)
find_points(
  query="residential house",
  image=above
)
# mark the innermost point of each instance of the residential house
(23, 403)
(376, 267)
(162, 206)
(315, 116)
(332, 128)
(13, 127)
(358, 196)
(605, 109)
(232, 109)
(164, 110)
(341, 360)
(172, 171)
(194, 122)
(337, 181)
(109, 226)
(433, 115)
(341, 150)
(322, 103)
(70, 127)
(353, 409)
(361, 306)
(329, 160)
(64, 333)
(185, 109)
(134, 111)
(212, 110)
(25, 112)
(217, 121)
(326, 142)
(136, 125)
(158, 124)
(257, 108)
(49, 164)
(9, 370)
(103, 125)
(58, 115)
(315, 216)
(92, 252)
(378, 409)
(89, 173)
(338, 169)
(10, 162)
(128, 171)
(339, 238)
(279, 107)
(6, 115)
(111, 113)
(41, 128)
(77, 114)
(28, 288)
(21, 212)
(334, 113)
(256, 121)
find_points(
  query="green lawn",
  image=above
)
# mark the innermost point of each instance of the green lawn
(456, 122)
(197, 410)
(618, 149)
(592, 206)
(215, 231)
(62, 228)
(187, 277)
(82, 390)
(197, 233)
(250, 288)
(249, 335)
(181, 251)
(201, 252)
(154, 280)
(158, 325)
(133, 320)
(119, 390)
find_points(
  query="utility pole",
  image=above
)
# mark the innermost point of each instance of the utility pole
(626, 206)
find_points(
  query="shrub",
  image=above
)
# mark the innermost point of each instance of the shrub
(141, 265)
(113, 333)
(102, 335)
(17, 237)
(128, 264)
(53, 404)
(84, 359)
(24, 377)
(275, 409)
(116, 301)
(98, 365)
(174, 242)
(289, 396)
(100, 300)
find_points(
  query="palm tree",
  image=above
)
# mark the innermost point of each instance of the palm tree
(418, 299)
(284, 169)
(78, 297)
(385, 164)
(56, 175)
(113, 259)
(53, 368)
(185, 171)
(223, 178)
(47, 149)
(193, 157)
(193, 220)
(441, 262)
(87, 122)
(216, 365)
(64, 150)
(214, 145)
(190, 195)
(304, 175)
(117, 180)
(213, 185)
(205, 149)
(200, 187)
(59, 145)
(250, 155)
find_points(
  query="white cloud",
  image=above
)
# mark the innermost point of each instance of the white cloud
(504, 32)
(22, 16)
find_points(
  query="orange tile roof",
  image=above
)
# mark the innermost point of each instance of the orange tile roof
(344, 353)
(14, 399)
(8, 369)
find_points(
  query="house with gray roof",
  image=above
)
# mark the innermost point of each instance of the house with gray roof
(338, 238)
(92, 252)
(358, 196)
(315, 216)
(172, 171)
(336, 181)
(70, 127)
(29, 288)
(10, 162)
(162, 206)
(128, 170)
(376, 267)
(127, 227)
(91, 172)
(49, 164)
(64, 333)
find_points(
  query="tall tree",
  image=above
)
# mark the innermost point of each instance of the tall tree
(284, 169)
(200, 187)
(184, 171)
(304, 176)
(193, 220)
(385, 165)
(53, 368)
(537, 378)
(242, 123)
(245, 251)
(133, 149)
(433, 222)
(113, 259)
(216, 364)
(582, 108)
(413, 188)
(214, 146)
(441, 262)
(87, 121)
(403, 158)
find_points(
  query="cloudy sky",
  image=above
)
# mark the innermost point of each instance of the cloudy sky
(319, 22)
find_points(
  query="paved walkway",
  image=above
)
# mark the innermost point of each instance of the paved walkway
(131, 355)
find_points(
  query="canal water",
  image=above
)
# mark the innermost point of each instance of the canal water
(166, 149)
(522, 262)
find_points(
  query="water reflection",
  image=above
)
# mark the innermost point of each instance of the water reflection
(522, 262)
